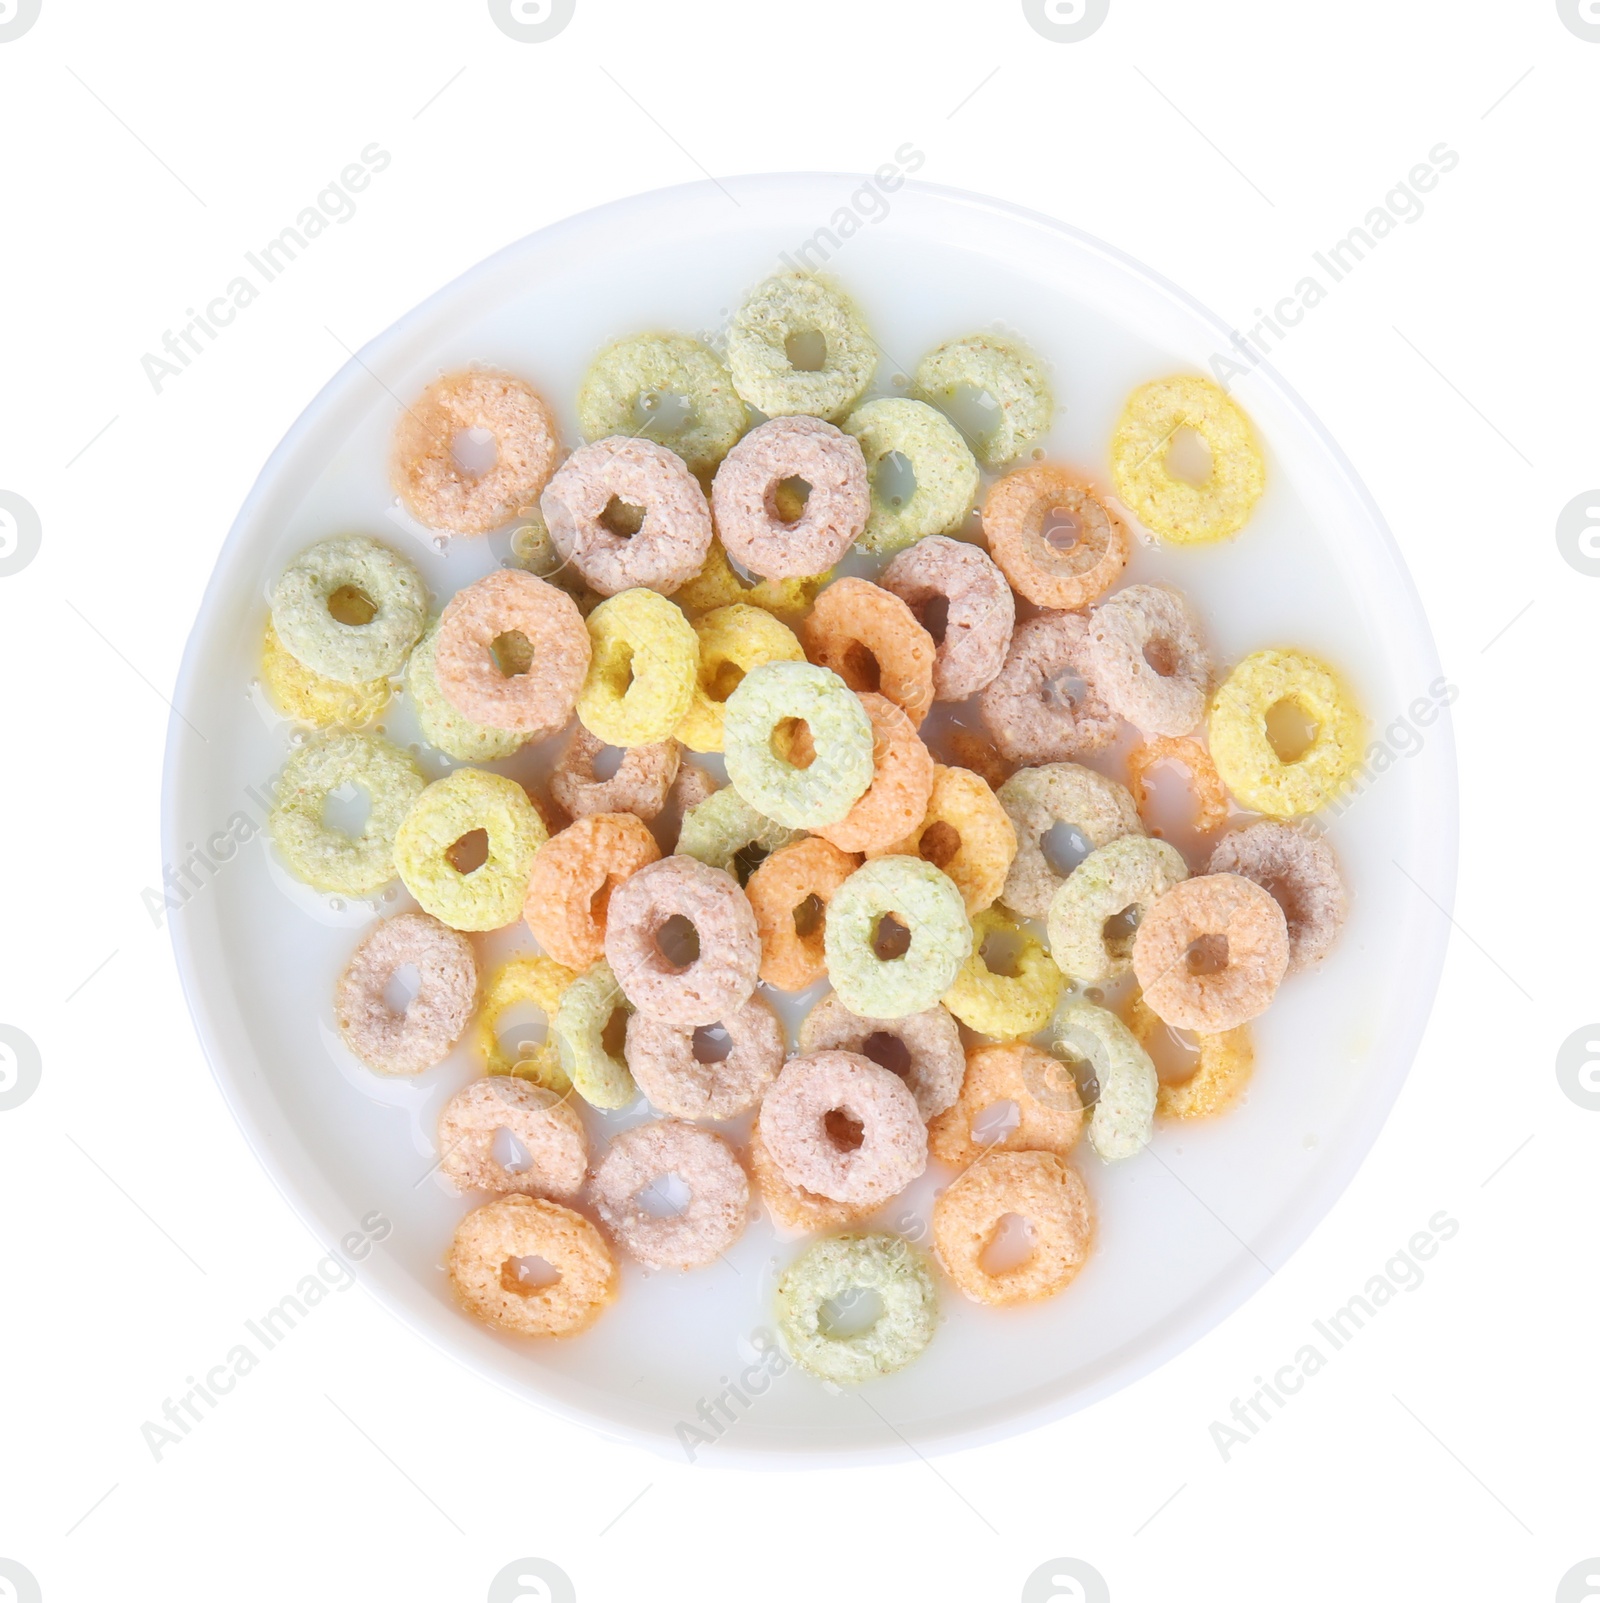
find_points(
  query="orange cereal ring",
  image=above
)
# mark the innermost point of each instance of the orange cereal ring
(979, 756)
(1226, 1063)
(794, 1209)
(779, 891)
(964, 831)
(1050, 1111)
(1210, 795)
(902, 781)
(873, 641)
(1055, 540)
(574, 875)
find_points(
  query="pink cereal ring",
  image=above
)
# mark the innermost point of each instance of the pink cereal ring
(545, 1126)
(432, 1023)
(1059, 544)
(1046, 704)
(980, 611)
(665, 1063)
(1144, 645)
(1298, 869)
(639, 784)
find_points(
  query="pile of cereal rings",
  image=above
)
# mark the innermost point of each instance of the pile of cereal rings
(900, 742)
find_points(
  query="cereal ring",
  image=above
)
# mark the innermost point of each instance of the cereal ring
(754, 520)
(717, 585)
(1172, 507)
(1144, 647)
(312, 698)
(670, 389)
(588, 1041)
(902, 782)
(437, 489)
(1242, 748)
(978, 756)
(573, 878)
(642, 671)
(1211, 800)
(792, 1208)
(795, 885)
(539, 634)
(873, 641)
(464, 803)
(1299, 871)
(979, 610)
(422, 1033)
(483, 1261)
(831, 1269)
(1004, 1006)
(1092, 916)
(1049, 1110)
(639, 784)
(733, 640)
(927, 906)
(1125, 1105)
(924, 1049)
(840, 769)
(1007, 375)
(1223, 1071)
(555, 1150)
(944, 472)
(708, 987)
(662, 1060)
(795, 309)
(1209, 955)
(583, 507)
(349, 609)
(1046, 1192)
(542, 982)
(1046, 705)
(1036, 800)
(965, 833)
(1054, 538)
(326, 858)
(875, 1150)
(725, 831)
(719, 1194)
(442, 726)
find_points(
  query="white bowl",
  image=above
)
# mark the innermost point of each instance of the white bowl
(1187, 1230)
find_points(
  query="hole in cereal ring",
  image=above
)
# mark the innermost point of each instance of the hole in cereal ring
(711, 1044)
(346, 808)
(471, 852)
(1064, 846)
(808, 916)
(1118, 931)
(1061, 1083)
(891, 939)
(521, 1030)
(939, 844)
(844, 1129)
(600, 902)
(665, 1197)
(1010, 1246)
(607, 761)
(352, 606)
(791, 742)
(512, 653)
(1065, 689)
(859, 668)
(851, 1313)
(1189, 456)
(621, 518)
(1290, 731)
(747, 860)
(1060, 529)
(1207, 954)
(1000, 951)
(727, 679)
(888, 1052)
(524, 1276)
(475, 451)
(678, 941)
(1161, 655)
(974, 411)
(934, 615)
(1174, 1053)
(662, 413)
(789, 498)
(509, 1152)
(894, 480)
(995, 1122)
(615, 1034)
(807, 350)
(402, 987)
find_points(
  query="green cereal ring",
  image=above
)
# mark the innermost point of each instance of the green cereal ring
(600, 1077)
(670, 389)
(1131, 872)
(442, 726)
(327, 858)
(841, 768)
(363, 580)
(923, 900)
(644, 653)
(1005, 1007)
(788, 308)
(725, 826)
(1125, 1109)
(833, 1268)
(463, 803)
(1007, 374)
(946, 472)
(733, 640)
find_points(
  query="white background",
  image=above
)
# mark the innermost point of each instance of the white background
(1445, 1451)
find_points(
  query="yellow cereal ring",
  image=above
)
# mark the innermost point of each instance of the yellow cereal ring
(1244, 754)
(539, 980)
(465, 803)
(966, 832)
(1224, 1069)
(641, 669)
(733, 640)
(717, 585)
(308, 697)
(1004, 1007)
(1180, 512)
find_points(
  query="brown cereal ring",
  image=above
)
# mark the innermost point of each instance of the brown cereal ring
(1023, 516)
(1039, 1187)
(1193, 979)
(1148, 660)
(1299, 871)
(783, 885)
(1210, 795)
(422, 1035)
(980, 610)
(1037, 799)
(509, 603)
(442, 494)
(929, 1043)
(890, 1148)
(710, 986)
(1045, 705)
(744, 498)
(483, 1267)
(965, 832)
(548, 1129)
(575, 875)
(793, 1208)
(902, 782)
(978, 756)
(661, 1058)
(638, 786)
(1226, 1063)
(623, 471)
(873, 641)
(1050, 1111)
(719, 1194)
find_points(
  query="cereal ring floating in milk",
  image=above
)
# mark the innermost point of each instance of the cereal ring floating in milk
(792, 1208)
(1126, 876)
(717, 585)
(1056, 540)
(574, 876)
(797, 344)
(902, 782)
(999, 1005)
(965, 833)
(1211, 798)
(1301, 874)
(554, 1156)
(928, 1042)
(312, 698)
(944, 472)
(1223, 1069)
(872, 640)
(582, 1028)
(1007, 375)
(1124, 1109)
(980, 611)
(794, 886)
(733, 640)
(639, 784)
(1049, 1109)
(421, 1034)
(519, 980)
(1036, 800)
(349, 609)
(442, 726)
(1046, 704)
(663, 1061)
(1144, 647)
(725, 831)
(642, 671)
